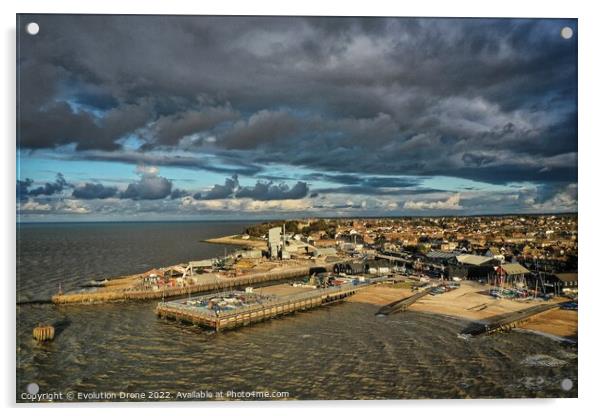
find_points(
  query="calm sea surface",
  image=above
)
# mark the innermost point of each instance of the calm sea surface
(337, 352)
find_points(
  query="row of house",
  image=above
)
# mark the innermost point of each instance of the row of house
(378, 267)
(490, 268)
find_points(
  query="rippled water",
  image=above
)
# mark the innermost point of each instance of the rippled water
(337, 352)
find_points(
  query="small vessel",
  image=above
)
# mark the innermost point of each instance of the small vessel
(96, 283)
(571, 306)
(496, 294)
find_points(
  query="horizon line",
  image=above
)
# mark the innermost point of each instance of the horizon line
(302, 218)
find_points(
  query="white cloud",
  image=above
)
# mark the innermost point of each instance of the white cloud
(246, 204)
(68, 206)
(72, 206)
(34, 206)
(147, 170)
(564, 200)
(451, 203)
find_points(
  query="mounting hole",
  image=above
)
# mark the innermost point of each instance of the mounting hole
(33, 388)
(566, 32)
(566, 384)
(32, 28)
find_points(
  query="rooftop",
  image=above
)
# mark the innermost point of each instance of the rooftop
(473, 260)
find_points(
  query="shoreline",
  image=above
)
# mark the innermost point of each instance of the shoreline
(472, 304)
(567, 340)
(119, 288)
(236, 240)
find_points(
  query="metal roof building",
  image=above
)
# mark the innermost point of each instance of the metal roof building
(514, 269)
(442, 255)
(474, 260)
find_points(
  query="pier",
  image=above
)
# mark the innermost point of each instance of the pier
(183, 312)
(508, 321)
(219, 284)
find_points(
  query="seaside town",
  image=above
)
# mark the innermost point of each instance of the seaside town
(501, 271)
(296, 207)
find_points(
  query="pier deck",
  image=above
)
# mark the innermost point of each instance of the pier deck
(213, 285)
(180, 311)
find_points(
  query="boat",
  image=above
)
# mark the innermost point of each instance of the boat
(96, 283)
(571, 306)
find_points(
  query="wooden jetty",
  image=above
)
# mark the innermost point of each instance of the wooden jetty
(221, 284)
(403, 304)
(508, 321)
(181, 312)
(43, 333)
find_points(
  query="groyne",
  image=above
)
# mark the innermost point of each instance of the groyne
(508, 321)
(403, 304)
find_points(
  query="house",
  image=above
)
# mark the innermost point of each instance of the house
(193, 266)
(513, 274)
(449, 246)
(175, 271)
(442, 257)
(496, 253)
(377, 267)
(473, 267)
(474, 260)
(350, 268)
(296, 246)
(569, 282)
(324, 251)
(559, 283)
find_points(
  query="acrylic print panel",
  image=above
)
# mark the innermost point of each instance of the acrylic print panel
(271, 208)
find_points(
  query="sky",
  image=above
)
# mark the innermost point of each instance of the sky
(208, 117)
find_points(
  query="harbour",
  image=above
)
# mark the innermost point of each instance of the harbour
(213, 283)
(339, 298)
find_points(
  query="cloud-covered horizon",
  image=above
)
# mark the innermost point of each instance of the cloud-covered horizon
(345, 114)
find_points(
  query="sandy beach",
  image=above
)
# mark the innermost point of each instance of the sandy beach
(559, 322)
(472, 302)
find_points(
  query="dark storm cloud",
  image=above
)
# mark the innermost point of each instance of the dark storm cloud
(389, 182)
(372, 181)
(23, 188)
(148, 187)
(262, 128)
(346, 179)
(476, 160)
(94, 191)
(548, 192)
(178, 193)
(170, 129)
(485, 99)
(49, 188)
(368, 185)
(266, 191)
(221, 191)
(217, 165)
(261, 191)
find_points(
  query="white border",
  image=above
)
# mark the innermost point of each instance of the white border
(590, 69)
